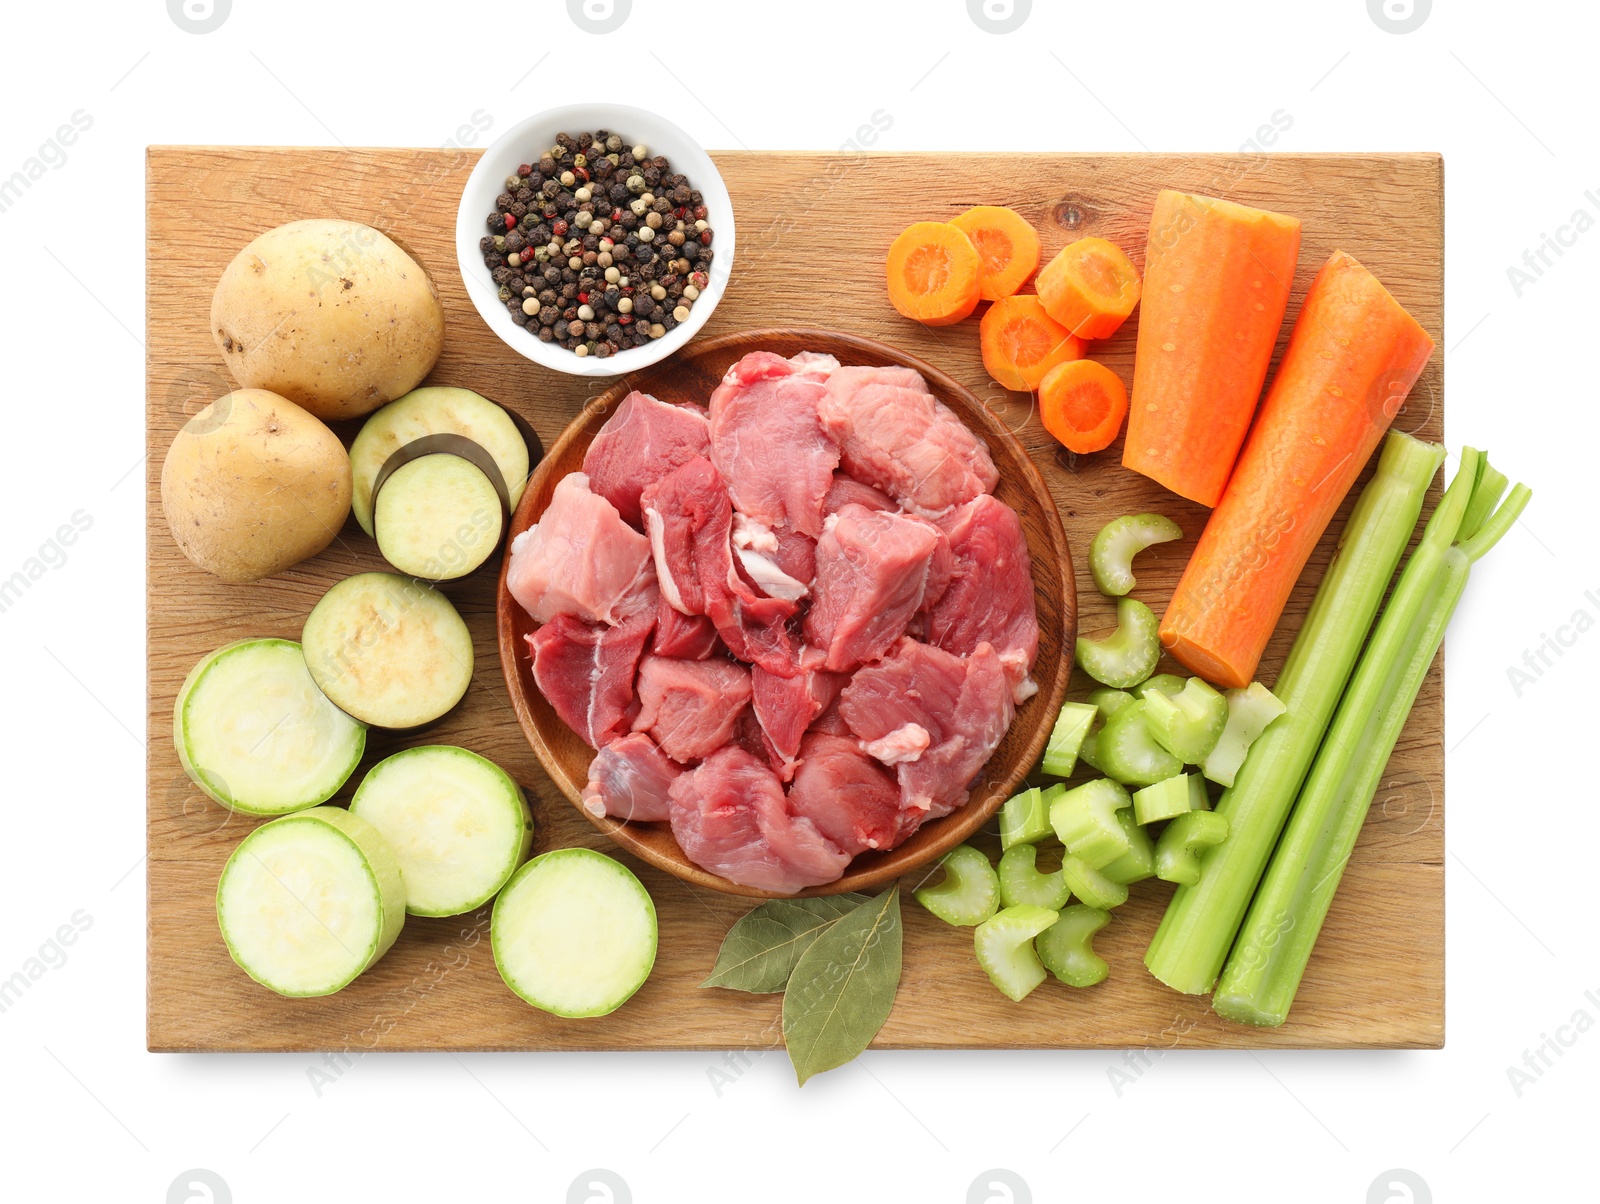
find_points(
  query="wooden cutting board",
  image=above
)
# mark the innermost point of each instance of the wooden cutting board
(812, 231)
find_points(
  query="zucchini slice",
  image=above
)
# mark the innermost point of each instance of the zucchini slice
(574, 933)
(255, 733)
(438, 517)
(456, 821)
(309, 901)
(391, 651)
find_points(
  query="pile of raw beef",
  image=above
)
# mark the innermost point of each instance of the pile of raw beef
(795, 626)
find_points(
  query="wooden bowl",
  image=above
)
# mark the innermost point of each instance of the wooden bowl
(691, 375)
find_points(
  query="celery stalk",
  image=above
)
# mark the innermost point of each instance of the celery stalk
(1202, 920)
(1258, 984)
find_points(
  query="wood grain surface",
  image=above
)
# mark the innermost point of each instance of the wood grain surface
(812, 233)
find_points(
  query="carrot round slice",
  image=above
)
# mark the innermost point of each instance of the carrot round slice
(933, 273)
(1021, 342)
(1090, 287)
(1083, 404)
(1007, 246)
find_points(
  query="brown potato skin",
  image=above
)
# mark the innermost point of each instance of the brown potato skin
(253, 484)
(331, 314)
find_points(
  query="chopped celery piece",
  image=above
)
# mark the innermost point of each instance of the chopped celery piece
(1066, 947)
(1025, 819)
(970, 892)
(1187, 724)
(1202, 920)
(1249, 712)
(1108, 701)
(1129, 753)
(1112, 552)
(1174, 796)
(1178, 850)
(1021, 880)
(1165, 683)
(1085, 820)
(1126, 656)
(1139, 862)
(1199, 800)
(1004, 944)
(1092, 886)
(1066, 738)
(1089, 752)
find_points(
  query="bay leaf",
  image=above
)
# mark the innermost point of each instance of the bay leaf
(763, 945)
(843, 987)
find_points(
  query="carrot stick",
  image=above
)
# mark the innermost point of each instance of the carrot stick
(1216, 283)
(1352, 358)
(1082, 403)
(933, 273)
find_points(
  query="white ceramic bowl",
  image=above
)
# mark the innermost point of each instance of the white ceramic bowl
(525, 142)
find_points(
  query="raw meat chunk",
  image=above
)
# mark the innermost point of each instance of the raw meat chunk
(690, 707)
(895, 435)
(852, 799)
(586, 672)
(990, 595)
(730, 817)
(688, 637)
(629, 779)
(872, 571)
(964, 703)
(690, 522)
(642, 442)
(579, 559)
(846, 489)
(686, 507)
(785, 706)
(768, 443)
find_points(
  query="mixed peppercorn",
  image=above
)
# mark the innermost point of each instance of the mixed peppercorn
(598, 247)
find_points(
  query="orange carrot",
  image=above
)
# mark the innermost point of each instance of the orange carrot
(1021, 342)
(1216, 283)
(1082, 403)
(1352, 358)
(933, 273)
(1007, 245)
(1090, 287)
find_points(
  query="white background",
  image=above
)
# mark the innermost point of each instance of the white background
(1504, 91)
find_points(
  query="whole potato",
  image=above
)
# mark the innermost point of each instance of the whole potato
(253, 484)
(330, 314)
